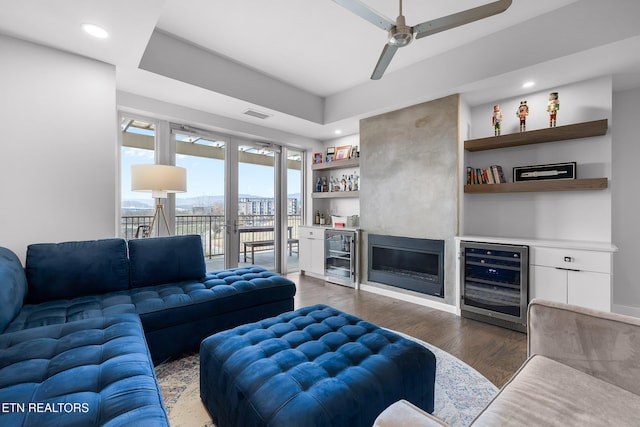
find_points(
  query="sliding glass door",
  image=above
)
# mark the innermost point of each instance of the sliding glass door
(294, 191)
(201, 209)
(243, 197)
(257, 206)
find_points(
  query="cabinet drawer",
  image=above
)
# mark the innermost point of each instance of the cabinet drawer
(573, 259)
(311, 233)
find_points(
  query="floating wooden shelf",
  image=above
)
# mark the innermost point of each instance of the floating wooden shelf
(337, 164)
(543, 185)
(560, 133)
(334, 195)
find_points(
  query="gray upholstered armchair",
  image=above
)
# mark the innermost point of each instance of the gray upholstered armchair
(583, 369)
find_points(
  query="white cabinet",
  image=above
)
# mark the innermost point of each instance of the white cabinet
(571, 272)
(589, 289)
(548, 283)
(579, 277)
(311, 250)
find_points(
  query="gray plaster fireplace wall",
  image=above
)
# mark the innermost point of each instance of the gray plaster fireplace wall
(409, 179)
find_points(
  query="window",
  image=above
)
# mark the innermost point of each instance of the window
(138, 141)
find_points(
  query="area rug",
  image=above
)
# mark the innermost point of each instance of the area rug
(461, 392)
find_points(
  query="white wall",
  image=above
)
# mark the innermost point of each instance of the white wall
(59, 146)
(566, 215)
(626, 203)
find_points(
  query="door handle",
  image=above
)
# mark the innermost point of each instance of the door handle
(567, 269)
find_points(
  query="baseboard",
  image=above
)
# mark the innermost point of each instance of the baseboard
(311, 274)
(626, 309)
(410, 298)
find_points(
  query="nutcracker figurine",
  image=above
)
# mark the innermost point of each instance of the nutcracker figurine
(552, 107)
(496, 119)
(522, 113)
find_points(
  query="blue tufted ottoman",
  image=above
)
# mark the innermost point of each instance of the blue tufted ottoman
(315, 366)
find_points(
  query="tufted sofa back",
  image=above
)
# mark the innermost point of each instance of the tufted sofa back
(73, 269)
(13, 287)
(161, 260)
(55, 272)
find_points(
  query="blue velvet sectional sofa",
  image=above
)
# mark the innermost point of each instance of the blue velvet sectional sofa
(82, 324)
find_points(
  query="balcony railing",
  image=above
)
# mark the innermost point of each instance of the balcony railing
(212, 228)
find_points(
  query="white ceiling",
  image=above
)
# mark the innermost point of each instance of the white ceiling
(307, 63)
(318, 45)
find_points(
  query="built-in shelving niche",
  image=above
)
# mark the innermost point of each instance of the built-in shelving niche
(560, 133)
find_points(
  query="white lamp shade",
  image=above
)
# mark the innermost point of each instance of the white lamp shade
(158, 179)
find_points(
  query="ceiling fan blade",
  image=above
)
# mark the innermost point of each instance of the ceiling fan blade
(383, 61)
(466, 16)
(364, 11)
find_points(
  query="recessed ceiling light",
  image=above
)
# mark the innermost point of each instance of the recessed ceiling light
(95, 31)
(337, 131)
(528, 84)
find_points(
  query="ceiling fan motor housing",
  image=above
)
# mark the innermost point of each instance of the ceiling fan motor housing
(401, 34)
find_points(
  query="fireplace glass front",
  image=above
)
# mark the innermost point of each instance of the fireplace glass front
(408, 263)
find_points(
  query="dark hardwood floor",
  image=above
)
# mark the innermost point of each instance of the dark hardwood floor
(493, 351)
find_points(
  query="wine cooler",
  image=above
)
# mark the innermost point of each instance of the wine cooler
(340, 257)
(494, 283)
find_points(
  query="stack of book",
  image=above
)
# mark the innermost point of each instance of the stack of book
(491, 175)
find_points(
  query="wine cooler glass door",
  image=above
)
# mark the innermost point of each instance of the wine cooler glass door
(339, 257)
(494, 280)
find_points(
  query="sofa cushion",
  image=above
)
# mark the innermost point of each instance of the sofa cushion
(176, 316)
(547, 393)
(162, 260)
(13, 287)
(180, 315)
(72, 269)
(91, 372)
(69, 310)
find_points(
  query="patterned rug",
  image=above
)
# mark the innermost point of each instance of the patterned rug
(461, 392)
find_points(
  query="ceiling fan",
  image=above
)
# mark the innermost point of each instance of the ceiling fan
(400, 34)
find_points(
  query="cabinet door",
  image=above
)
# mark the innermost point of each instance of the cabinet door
(317, 256)
(305, 254)
(312, 256)
(548, 283)
(589, 289)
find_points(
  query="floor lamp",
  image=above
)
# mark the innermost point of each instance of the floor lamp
(160, 180)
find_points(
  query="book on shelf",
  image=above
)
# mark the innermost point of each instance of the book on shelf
(491, 175)
(472, 176)
(498, 174)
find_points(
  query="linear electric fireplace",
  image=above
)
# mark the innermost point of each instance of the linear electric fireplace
(408, 263)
